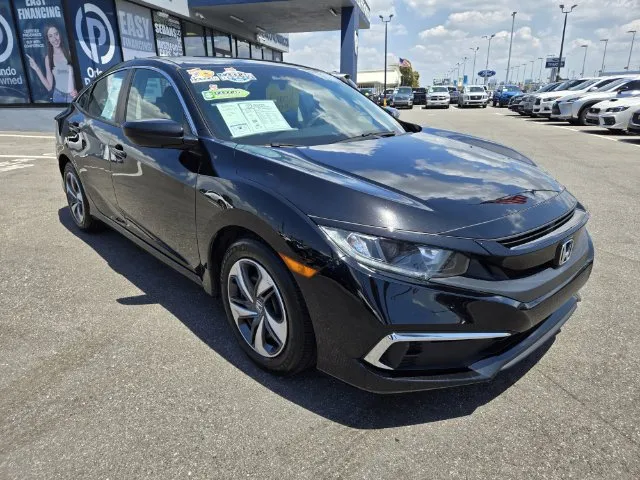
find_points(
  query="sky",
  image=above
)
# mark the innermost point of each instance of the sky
(436, 34)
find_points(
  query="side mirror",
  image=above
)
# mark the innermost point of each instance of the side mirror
(392, 111)
(155, 133)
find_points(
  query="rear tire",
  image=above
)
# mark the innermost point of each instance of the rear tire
(265, 308)
(77, 200)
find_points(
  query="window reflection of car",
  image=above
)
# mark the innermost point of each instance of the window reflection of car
(333, 235)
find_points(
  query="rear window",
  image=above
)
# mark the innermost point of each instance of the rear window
(405, 91)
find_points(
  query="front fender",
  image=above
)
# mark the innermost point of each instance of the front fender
(227, 203)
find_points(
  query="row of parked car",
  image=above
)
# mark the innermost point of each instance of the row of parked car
(612, 102)
(434, 96)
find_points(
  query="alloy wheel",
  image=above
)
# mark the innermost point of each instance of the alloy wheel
(74, 197)
(257, 307)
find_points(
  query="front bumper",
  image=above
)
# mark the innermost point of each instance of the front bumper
(592, 119)
(386, 336)
(615, 121)
(544, 109)
(401, 103)
(563, 112)
(473, 102)
(438, 103)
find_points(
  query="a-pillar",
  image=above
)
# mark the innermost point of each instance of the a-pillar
(349, 42)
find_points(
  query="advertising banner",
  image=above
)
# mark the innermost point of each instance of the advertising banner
(47, 58)
(136, 32)
(168, 34)
(13, 84)
(552, 62)
(95, 28)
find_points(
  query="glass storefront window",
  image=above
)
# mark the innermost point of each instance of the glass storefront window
(277, 56)
(221, 44)
(243, 49)
(267, 54)
(194, 40)
(209, 39)
(256, 51)
(234, 48)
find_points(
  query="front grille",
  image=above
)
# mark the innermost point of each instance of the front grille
(538, 101)
(591, 121)
(540, 232)
(595, 111)
(609, 121)
(555, 109)
(636, 118)
(475, 98)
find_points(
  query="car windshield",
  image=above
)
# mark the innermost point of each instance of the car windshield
(607, 87)
(439, 89)
(405, 90)
(511, 88)
(475, 89)
(547, 88)
(419, 90)
(452, 89)
(367, 91)
(583, 84)
(271, 104)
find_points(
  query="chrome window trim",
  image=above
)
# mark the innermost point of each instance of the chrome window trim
(376, 353)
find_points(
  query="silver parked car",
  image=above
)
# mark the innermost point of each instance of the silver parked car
(473, 96)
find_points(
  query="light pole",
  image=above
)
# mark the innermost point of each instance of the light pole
(517, 67)
(524, 73)
(386, 25)
(584, 60)
(633, 39)
(475, 52)
(564, 29)
(604, 55)
(540, 76)
(488, 51)
(513, 23)
(458, 74)
(512, 69)
(464, 68)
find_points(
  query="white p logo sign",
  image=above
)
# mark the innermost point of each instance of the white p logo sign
(99, 31)
(5, 33)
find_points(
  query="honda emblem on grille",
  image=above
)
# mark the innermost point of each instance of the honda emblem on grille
(564, 252)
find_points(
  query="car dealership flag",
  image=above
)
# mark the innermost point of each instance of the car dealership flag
(405, 63)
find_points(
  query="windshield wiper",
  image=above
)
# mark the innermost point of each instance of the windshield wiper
(280, 145)
(385, 133)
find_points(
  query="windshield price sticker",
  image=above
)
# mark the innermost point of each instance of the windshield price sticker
(198, 75)
(253, 117)
(216, 93)
(230, 74)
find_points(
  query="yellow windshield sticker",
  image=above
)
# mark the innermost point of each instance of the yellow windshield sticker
(198, 75)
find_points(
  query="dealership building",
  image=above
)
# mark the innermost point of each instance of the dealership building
(50, 49)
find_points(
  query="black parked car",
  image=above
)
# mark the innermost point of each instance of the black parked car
(420, 96)
(391, 256)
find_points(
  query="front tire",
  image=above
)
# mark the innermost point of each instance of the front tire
(77, 200)
(265, 308)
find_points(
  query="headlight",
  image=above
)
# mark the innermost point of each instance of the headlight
(617, 109)
(548, 99)
(407, 259)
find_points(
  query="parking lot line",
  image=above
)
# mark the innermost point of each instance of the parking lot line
(27, 156)
(20, 135)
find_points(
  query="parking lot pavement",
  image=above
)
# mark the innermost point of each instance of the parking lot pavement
(114, 366)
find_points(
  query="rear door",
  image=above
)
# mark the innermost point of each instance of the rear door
(92, 129)
(155, 187)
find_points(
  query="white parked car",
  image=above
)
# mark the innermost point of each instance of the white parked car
(544, 102)
(473, 96)
(574, 108)
(438, 96)
(634, 123)
(614, 114)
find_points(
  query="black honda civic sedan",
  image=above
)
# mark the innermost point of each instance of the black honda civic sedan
(392, 256)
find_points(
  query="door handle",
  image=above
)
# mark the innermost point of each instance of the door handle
(118, 153)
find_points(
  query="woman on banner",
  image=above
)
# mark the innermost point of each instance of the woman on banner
(58, 74)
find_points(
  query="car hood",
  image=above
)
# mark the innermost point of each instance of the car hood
(433, 181)
(619, 102)
(585, 97)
